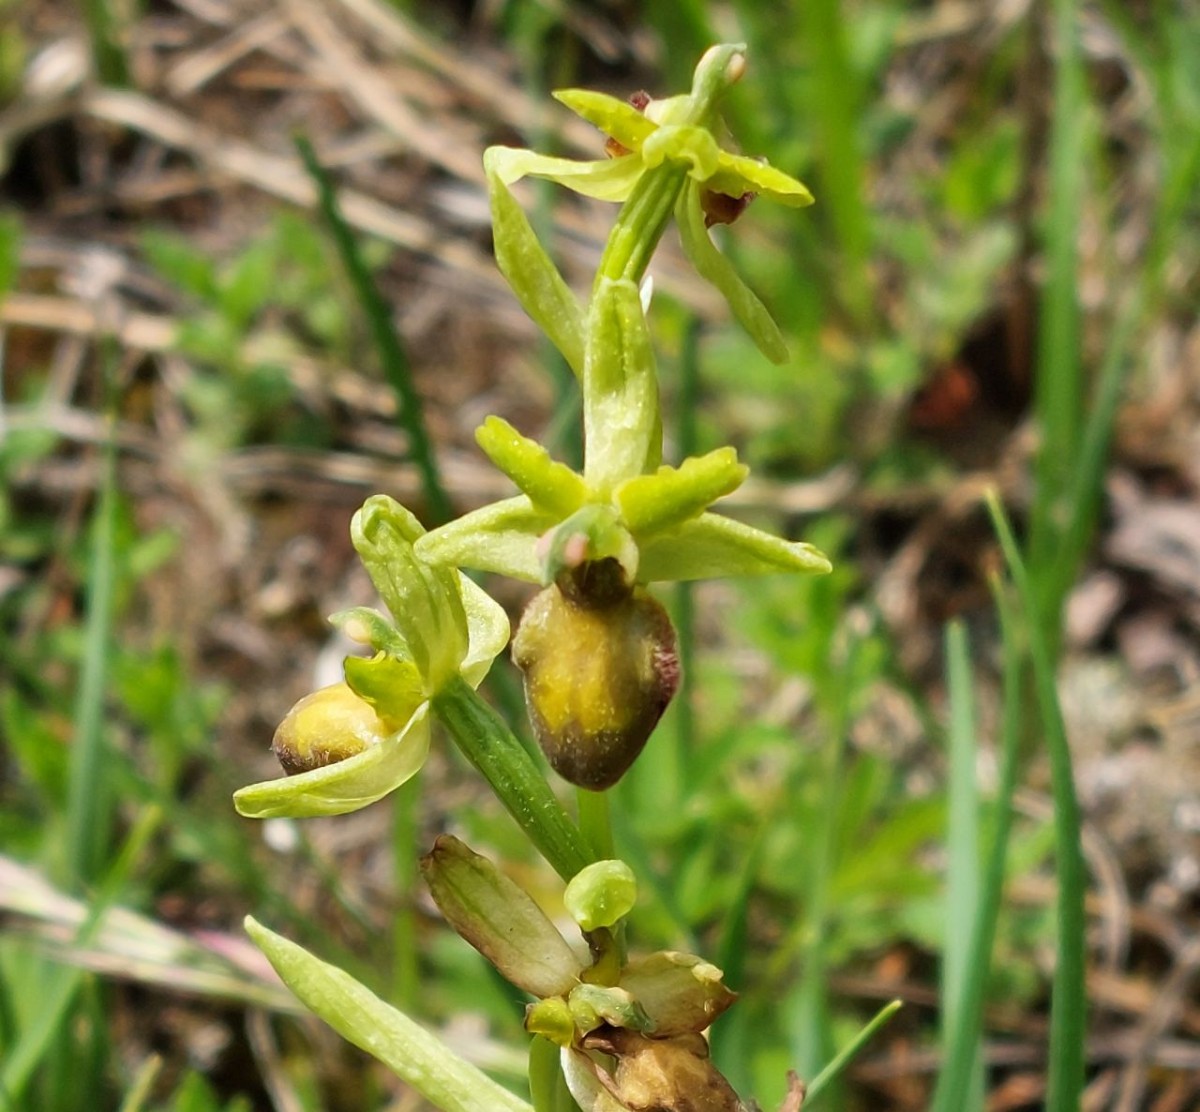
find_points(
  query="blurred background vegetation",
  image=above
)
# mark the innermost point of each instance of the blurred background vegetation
(997, 289)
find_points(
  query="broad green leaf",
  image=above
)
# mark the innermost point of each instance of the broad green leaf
(410, 1051)
(715, 268)
(712, 546)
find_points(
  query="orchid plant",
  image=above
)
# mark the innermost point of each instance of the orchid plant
(611, 1032)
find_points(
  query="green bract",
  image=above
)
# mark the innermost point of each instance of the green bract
(374, 727)
(669, 160)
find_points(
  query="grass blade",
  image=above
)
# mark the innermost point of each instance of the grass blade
(1068, 1010)
(957, 1078)
(831, 1071)
(963, 895)
(88, 790)
(392, 354)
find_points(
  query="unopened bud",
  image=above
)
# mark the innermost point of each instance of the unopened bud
(601, 665)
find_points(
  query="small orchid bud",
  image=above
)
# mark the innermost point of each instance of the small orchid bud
(326, 727)
(600, 665)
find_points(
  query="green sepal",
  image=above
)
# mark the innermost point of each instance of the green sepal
(411, 1052)
(500, 919)
(593, 1005)
(529, 270)
(499, 538)
(346, 786)
(601, 895)
(616, 118)
(711, 546)
(390, 686)
(365, 626)
(715, 268)
(606, 179)
(593, 532)
(551, 486)
(671, 495)
(620, 387)
(424, 599)
(694, 146)
(738, 174)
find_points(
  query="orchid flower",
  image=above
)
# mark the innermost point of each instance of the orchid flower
(353, 742)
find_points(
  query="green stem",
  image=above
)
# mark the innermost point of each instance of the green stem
(404, 873)
(491, 747)
(641, 223)
(595, 823)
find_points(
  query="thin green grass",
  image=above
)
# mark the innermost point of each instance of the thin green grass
(1068, 1010)
(88, 792)
(963, 883)
(816, 1089)
(49, 1024)
(392, 354)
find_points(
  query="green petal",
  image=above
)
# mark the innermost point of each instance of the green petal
(359, 1016)
(499, 538)
(614, 117)
(424, 600)
(551, 486)
(606, 179)
(534, 278)
(693, 145)
(739, 174)
(712, 546)
(487, 631)
(620, 387)
(714, 267)
(672, 495)
(500, 919)
(391, 687)
(346, 786)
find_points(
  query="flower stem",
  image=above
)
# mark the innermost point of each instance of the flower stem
(516, 779)
(595, 823)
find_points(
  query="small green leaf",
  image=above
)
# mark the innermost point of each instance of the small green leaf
(614, 117)
(500, 919)
(345, 786)
(499, 538)
(534, 278)
(359, 1016)
(606, 179)
(672, 495)
(551, 486)
(715, 268)
(620, 387)
(711, 546)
